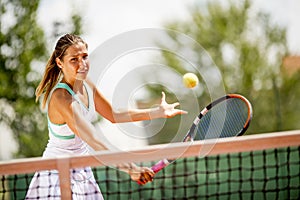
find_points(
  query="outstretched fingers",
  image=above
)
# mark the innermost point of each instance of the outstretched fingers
(175, 104)
(170, 109)
(163, 97)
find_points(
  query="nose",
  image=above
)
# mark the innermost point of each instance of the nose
(82, 63)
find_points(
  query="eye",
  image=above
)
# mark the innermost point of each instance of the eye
(74, 59)
(85, 57)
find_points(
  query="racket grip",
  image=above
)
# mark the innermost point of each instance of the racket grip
(157, 167)
(160, 165)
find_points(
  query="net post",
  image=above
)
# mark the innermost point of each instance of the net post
(63, 167)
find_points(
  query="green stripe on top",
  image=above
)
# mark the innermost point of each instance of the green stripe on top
(49, 122)
(65, 86)
(63, 137)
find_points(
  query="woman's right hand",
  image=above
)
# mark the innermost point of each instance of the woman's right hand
(142, 175)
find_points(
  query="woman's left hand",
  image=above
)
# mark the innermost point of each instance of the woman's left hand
(169, 110)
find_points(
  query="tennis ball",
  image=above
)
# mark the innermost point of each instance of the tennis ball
(190, 80)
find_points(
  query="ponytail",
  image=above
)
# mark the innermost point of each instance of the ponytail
(53, 73)
(50, 78)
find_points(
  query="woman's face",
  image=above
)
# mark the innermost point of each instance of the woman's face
(75, 63)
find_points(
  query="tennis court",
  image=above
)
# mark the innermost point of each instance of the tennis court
(261, 166)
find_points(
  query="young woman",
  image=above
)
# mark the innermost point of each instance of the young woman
(72, 102)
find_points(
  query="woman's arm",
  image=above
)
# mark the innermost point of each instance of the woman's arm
(164, 110)
(104, 108)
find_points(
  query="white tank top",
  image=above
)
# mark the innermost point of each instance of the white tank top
(62, 139)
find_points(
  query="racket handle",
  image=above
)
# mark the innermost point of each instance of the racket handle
(160, 165)
(157, 167)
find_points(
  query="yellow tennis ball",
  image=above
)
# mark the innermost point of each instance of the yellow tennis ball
(190, 80)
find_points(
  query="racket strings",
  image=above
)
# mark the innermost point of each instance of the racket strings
(225, 119)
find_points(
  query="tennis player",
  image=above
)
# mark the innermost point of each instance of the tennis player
(72, 103)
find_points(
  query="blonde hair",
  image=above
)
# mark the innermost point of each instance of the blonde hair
(52, 72)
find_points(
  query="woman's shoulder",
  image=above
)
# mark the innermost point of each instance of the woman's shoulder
(59, 103)
(60, 97)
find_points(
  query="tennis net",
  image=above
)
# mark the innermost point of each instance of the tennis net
(262, 166)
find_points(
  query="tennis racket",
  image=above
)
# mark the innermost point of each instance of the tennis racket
(227, 116)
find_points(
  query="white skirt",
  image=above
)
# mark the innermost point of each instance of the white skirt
(45, 185)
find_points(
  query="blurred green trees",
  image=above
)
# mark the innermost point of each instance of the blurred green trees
(22, 45)
(248, 49)
(23, 54)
